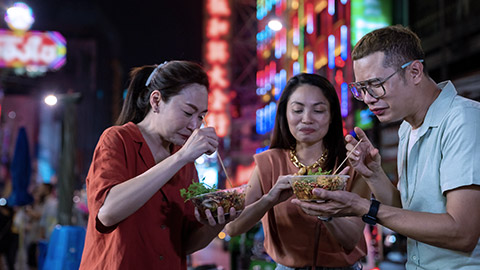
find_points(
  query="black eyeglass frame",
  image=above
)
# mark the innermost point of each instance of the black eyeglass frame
(366, 86)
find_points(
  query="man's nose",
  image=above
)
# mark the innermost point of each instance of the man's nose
(368, 99)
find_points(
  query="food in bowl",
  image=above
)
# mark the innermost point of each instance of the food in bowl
(226, 198)
(303, 185)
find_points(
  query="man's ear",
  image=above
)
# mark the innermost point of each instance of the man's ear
(416, 71)
(155, 98)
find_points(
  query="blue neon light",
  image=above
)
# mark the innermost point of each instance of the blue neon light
(331, 7)
(296, 68)
(344, 99)
(331, 51)
(283, 76)
(310, 61)
(278, 85)
(265, 118)
(343, 42)
(278, 49)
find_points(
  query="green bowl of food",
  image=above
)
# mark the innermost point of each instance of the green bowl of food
(226, 198)
(303, 185)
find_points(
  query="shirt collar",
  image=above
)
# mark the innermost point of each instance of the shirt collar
(437, 110)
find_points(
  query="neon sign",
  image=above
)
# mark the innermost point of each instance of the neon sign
(217, 53)
(32, 49)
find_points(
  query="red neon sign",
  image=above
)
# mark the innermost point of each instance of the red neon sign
(217, 53)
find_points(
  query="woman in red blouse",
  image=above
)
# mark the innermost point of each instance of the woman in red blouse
(137, 218)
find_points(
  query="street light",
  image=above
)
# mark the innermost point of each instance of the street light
(51, 100)
(19, 17)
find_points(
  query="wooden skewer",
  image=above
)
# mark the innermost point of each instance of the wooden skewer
(358, 143)
(221, 161)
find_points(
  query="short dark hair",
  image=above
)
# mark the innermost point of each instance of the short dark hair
(282, 137)
(398, 43)
(169, 78)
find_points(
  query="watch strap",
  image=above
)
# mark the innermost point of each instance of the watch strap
(371, 216)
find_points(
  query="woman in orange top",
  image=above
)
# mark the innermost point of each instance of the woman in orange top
(308, 130)
(137, 218)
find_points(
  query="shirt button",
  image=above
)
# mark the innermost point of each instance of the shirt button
(414, 257)
(161, 258)
(163, 226)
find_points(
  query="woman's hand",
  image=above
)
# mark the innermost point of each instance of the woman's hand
(202, 141)
(365, 159)
(281, 191)
(222, 219)
(336, 204)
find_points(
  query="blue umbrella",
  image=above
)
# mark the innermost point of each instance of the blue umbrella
(21, 171)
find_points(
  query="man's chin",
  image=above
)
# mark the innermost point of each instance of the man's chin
(387, 119)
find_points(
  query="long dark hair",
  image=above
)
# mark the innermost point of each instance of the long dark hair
(333, 141)
(169, 78)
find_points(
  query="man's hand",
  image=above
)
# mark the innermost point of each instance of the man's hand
(337, 204)
(365, 159)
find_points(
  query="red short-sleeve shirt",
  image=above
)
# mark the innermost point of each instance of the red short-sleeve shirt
(154, 236)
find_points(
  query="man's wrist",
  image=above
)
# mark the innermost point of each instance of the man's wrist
(371, 216)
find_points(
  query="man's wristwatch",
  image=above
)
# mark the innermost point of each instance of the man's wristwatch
(371, 216)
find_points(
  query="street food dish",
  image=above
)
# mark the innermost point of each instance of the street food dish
(303, 185)
(226, 198)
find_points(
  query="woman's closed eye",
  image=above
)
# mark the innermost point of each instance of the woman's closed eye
(188, 114)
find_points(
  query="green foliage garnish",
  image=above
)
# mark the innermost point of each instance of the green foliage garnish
(319, 172)
(196, 189)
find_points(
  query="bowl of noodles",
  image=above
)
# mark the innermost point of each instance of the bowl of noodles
(303, 185)
(215, 198)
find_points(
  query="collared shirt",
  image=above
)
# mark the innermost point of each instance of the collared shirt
(445, 157)
(154, 236)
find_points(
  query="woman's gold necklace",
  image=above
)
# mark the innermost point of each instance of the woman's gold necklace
(305, 169)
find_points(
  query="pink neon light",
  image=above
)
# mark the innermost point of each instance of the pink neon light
(339, 62)
(273, 71)
(296, 31)
(217, 28)
(217, 51)
(218, 76)
(260, 78)
(218, 7)
(218, 100)
(310, 23)
(339, 77)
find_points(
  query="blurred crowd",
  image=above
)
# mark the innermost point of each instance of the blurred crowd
(25, 230)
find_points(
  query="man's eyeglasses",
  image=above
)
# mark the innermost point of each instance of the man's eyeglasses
(373, 87)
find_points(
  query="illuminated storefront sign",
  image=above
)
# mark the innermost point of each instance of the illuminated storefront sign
(217, 53)
(369, 15)
(32, 50)
(315, 39)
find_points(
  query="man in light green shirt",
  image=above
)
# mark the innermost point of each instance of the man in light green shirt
(437, 201)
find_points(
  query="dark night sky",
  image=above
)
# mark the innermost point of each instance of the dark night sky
(138, 32)
(155, 31)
